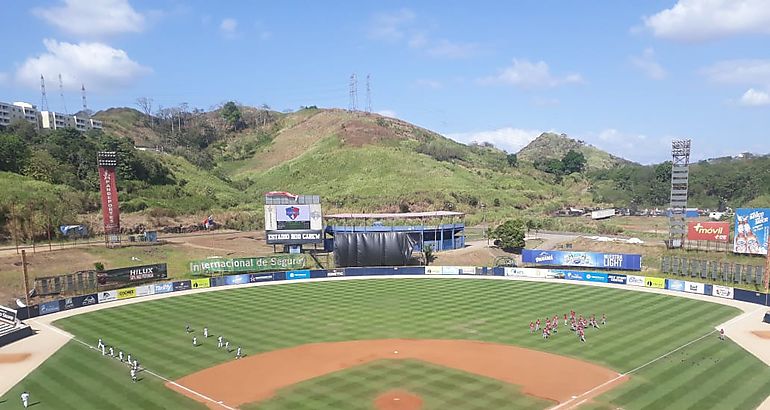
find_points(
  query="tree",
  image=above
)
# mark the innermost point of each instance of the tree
(573, 161)
(428, 254)
(232, 114)
(513, 160)
(14, 153)
(510, 235)
(145, 104)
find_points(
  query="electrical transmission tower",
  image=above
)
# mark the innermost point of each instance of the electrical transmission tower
(61, 93)
(680, 173)
(43, 99)
(368, 94)
(83, 93)
(353, 92)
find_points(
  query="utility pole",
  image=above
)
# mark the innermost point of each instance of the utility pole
(353, 106)
(43, 99)
(83, 94)
(61, 93)
(26, 277)
(368, 94)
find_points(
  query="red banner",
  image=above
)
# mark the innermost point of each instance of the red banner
(708, 231)
(110, 210)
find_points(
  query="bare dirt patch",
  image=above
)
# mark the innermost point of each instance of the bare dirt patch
(762, 334)
(540, 374)
(398, 400)
(13, 357)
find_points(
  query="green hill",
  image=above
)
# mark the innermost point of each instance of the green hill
(553, 146)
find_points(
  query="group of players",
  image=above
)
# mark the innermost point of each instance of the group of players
(221, 342)
(133, 365)
(576, 324)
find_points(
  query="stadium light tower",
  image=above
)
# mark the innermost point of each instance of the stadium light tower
(680, 172)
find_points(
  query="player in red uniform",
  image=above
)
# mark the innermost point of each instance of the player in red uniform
(531, 327)
(604, 319)
(537, 325)
(565, 320)
(582, 335)
(721, 334)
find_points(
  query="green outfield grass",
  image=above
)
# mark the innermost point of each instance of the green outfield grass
(641, 327)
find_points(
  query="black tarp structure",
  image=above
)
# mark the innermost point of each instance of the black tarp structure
(373, 248)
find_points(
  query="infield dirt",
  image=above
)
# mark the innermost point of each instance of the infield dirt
(540, 374)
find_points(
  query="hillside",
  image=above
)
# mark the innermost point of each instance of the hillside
(553, 146)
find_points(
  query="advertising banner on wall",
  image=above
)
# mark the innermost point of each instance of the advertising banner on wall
(722, 291)
(79, 301)
(635, 280)
(583, 259)
(108, 296)
(294, 237)
(182, 285)
(458, 270)
(236, 279)
(298, 274)
(109, 192)
(433, 270)
(694, 287)
(126, 293)
(146, 290)
(526, 272)
(248, 265)
(260, 277)
(49, 307)
(617, 279)
(674, 284)
(135, 273)
(7, 314)
(751, 230)
(164, 287)
(708, 231)
(200, 283)
(657, 283)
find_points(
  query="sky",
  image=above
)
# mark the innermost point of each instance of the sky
(627, 77)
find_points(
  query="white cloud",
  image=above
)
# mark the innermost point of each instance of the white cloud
(746, 72)
(700, 20)
(97, 65)
(3, 78)
(89, 18)
(755, 98)
(388, 113)
(427, 83)
(647, 64)
(229, 27)
(526, 74)
(509, 139)
(402, 27)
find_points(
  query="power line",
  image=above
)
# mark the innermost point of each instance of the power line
(83, 92)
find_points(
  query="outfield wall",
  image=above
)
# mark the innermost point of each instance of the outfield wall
(673, 285)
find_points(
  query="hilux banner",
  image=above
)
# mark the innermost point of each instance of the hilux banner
(583, 259)
(708, 231)
(136, 273)
(248, 265)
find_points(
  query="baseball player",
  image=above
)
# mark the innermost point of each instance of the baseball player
(721, 334)
(206, 332)
(187, 328)
(136, 365)
(227, 346)
(545, 333)
(195, 341)
(220, 342)
(555, 326)
(99, 344)
(565, 320)
(582, 335)
(25, 399)
(238, 353)
(128, 359)
(112, 352)
(531, 327)
(120, 356)
(133, 375)
(537, 325)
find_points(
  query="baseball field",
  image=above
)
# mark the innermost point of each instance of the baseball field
(401, 344)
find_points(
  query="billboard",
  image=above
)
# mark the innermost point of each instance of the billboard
(298, 274)
(293, 219)
(126, 293)
(49, 307)
(260, 277)
(617, 279)
(248, 265)
(708, 231)
(164, 287)
(634, 280)
(134, 273)
(583, 259)
(722, 291)
(109, 192)
(652, 282)
(200, 283)
(694, 287)
(294, 237)
(108, 296)
(674, 284)
(751, 230)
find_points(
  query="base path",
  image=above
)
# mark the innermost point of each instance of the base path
(540, 374)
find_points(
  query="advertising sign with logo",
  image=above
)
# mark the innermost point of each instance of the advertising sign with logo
(526, 272)
(292, 217)
(109, 191)
(248, 265)
(253, 278)
(722, 291)
(108, 296)
(573, 275)
(617, 279)
(694, 287)
(657, 283)
(49, 307)
(583, 259)
(751, 230)
(136, 273)
(182, 285)
(294, 237)
(7, 314)
(335, 273)
(236, 279)
(164, 287)
(126, 293)
(298, 274)
(434, 270)
(88, 300)
(146, 290)
(67, 304)
(200, 283)
(677, 285)
(634, 280)
(708, 231)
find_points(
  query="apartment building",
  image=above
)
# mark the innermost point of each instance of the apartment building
(10, 112)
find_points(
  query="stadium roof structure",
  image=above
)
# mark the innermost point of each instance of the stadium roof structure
(405, 215)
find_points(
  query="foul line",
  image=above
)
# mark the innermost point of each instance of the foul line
(742, 316)
(203, 396)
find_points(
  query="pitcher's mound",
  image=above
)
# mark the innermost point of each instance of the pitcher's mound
(398, 400)
(764, 334)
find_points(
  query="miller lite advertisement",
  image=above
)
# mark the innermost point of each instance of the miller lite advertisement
(708, 231)
(751, 230)
(109, 190)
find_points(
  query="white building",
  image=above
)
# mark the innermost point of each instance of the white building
(55, 120)
(18, 111)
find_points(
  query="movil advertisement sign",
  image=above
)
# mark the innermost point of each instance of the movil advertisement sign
(708, 231)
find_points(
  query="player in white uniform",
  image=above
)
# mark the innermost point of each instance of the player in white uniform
(195, 341)
(120, 356)
(227, 346)
(25, 399)
(238, 353)
(112, 352)
(220, 343)
(136, 364)
(99, 344)
(133, 375)
(205, 332)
